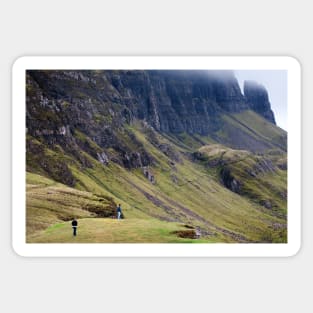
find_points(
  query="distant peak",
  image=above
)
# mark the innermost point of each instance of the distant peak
(257, 98)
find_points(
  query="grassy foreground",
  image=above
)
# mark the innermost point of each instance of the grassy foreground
(104, 230)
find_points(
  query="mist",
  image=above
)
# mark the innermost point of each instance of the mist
(275, 82)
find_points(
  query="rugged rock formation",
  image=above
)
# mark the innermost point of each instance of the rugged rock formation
(89, 110)
(178, 101)
(171, 101)
(257, 99)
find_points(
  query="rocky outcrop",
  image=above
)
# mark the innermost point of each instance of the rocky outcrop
(171, 101)
(229, 181)
(148, 174)
(257, 98)
(178, 101)
(103, 158)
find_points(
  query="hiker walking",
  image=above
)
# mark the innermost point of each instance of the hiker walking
(119, 212)
(74, 226)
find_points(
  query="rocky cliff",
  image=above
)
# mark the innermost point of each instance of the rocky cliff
(89, 111)
(257, 98)
(178, 101)
(170, 101)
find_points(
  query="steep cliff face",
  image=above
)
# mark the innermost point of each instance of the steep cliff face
(171, 101)
(257, 99)
(90, 111)
(179, 101)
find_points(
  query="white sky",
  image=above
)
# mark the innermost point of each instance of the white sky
(275, 81)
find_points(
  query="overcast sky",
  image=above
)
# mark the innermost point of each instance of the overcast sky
(275, 81)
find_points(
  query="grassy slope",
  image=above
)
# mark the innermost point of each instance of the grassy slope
(103, 230)
(260, 178)
(49, 202)
(249, 129)
(51, 206)
(261, 127)
(198, 188)
(184, 192)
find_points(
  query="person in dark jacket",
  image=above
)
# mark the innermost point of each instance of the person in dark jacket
(119, 212)
(74, 226)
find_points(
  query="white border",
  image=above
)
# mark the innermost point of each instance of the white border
(156, 250)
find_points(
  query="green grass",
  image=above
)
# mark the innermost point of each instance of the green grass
(100, 230)
(197, 197)
(262, 127)
(90, 145)
(48, 202)
(261, 180)
(248, 129)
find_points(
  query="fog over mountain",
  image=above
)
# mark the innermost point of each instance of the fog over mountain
(275, 82)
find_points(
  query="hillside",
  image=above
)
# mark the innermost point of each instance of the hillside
(186, 156)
